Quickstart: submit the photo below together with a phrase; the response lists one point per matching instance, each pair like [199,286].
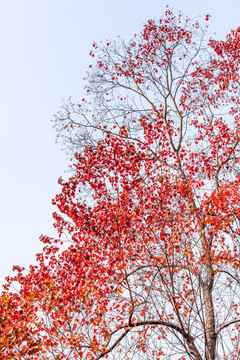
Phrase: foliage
[151,210]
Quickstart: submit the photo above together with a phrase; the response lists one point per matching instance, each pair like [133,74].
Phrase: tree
[151,210]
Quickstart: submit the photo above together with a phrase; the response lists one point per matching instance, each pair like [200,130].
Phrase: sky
[44,55]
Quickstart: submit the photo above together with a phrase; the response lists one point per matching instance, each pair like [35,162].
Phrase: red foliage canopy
[151,210]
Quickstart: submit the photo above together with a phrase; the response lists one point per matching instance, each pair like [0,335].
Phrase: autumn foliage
[150,212]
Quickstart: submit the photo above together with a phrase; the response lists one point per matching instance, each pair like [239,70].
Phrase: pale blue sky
[44,56]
